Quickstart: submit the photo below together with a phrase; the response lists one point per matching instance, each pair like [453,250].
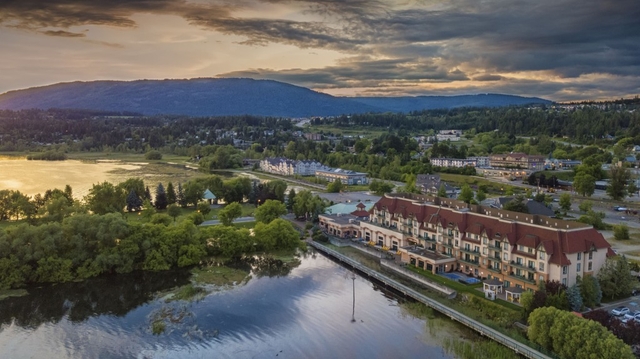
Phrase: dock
[484,330]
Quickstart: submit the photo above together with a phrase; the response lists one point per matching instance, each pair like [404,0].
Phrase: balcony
[470,261]
[494,247]
[522,278]
[496,256]
[448,244]
[496,270]
[470,251]
[523,266]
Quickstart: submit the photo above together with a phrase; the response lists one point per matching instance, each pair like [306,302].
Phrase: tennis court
[460,278]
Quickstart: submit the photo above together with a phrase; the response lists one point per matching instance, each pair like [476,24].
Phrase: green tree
[632,188]
[617,188]
[105,198]
[517,205]
[161,197]
[585,206]
[442,191]
[335,186]
[480,196]
[572,337]
[615,277]
[291,199]
[270,210]
[153,155]
[204,208]
[180,198]
[229,213]
[380,187]
[466,194]
[133,201]
[593,218]
[193,193]
[584,184]
[171,194]
[621,232]
[574,297]
[174,211]
[565,202]
[590,291]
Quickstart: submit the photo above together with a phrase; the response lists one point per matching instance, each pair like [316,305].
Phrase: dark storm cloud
[408,41]
[62,33]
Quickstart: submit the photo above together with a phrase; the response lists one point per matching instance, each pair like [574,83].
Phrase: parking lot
[633,303]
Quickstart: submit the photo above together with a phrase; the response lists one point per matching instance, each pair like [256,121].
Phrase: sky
[562,50]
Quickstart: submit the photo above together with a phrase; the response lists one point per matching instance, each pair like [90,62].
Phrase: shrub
[153,155]
[621,232]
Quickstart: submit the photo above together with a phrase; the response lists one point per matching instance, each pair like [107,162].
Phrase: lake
[33,177]
[301,312]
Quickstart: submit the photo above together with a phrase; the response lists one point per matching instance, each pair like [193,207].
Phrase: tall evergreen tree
[161,197]
[171,194]
[147,193]
[180,198]
[291,199]
[133,201]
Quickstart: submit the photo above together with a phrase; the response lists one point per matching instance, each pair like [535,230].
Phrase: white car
[630,316]
[619,311]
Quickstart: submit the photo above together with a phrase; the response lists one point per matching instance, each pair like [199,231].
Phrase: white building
[453,162]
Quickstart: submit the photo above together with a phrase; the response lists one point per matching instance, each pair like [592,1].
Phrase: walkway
[473,324]
[214,222]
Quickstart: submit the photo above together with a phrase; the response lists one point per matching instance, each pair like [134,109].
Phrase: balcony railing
[497,270]
[469,250]
[523,266]
[470,261]
[448,244]
[523,278]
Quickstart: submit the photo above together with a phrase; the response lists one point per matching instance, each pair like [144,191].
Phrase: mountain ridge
[229,96]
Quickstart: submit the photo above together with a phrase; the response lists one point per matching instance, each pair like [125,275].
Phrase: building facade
[278,165]
[517,161]
[444,235]
[453,162]
[345,176]
[308,167]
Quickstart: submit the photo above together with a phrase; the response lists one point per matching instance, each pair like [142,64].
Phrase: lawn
[474,181]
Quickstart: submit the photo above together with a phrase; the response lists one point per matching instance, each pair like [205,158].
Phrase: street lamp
[353,311]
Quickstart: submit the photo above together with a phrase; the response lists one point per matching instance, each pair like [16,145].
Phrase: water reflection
[293,311]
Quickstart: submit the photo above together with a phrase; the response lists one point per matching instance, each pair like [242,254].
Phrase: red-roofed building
[517,248]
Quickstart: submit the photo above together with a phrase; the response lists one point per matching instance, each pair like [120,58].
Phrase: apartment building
[453,162]
[287,167]
[517,160]
[445,235]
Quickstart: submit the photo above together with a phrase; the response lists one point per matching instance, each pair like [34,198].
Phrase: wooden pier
[484,330]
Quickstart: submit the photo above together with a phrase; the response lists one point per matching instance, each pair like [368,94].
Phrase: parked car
[620,311]
[630,316]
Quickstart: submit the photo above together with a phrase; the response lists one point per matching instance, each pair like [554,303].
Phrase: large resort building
[444,235]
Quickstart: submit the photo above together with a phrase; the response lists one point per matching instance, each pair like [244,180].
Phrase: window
[506,246]
[565,269]
[542,255]
[519,261]
[589,266]
[484,250]
[530,250]
[456,242]
[532,264]
[484,240]
[564,281]
[506,256]
[590,255]
[578,267]
[520,248]
[541,278]
[579,256]
[476,249]
[541,267]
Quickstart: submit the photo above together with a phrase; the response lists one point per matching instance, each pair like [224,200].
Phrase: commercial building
[445,235]
[287,167]
[453,162]
[345,176]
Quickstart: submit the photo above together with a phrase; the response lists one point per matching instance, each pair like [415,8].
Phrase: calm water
[302,313]
[33,177]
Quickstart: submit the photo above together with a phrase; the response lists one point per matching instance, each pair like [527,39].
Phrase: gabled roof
[208,194]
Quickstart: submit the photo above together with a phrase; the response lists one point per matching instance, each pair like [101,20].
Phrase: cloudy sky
[556,49]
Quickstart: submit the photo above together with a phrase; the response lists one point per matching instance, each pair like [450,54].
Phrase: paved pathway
[237,220]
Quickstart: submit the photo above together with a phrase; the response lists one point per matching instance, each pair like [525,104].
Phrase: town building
[481,161]
[453,162]
[517,160]
[430,184]
[308,167]
[278,165]
[448,135]
[444,235]
[345,176]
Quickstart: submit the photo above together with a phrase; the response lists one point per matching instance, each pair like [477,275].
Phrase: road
[237,220]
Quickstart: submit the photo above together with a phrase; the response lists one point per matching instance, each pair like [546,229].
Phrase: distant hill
[406,104]
[228,96]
